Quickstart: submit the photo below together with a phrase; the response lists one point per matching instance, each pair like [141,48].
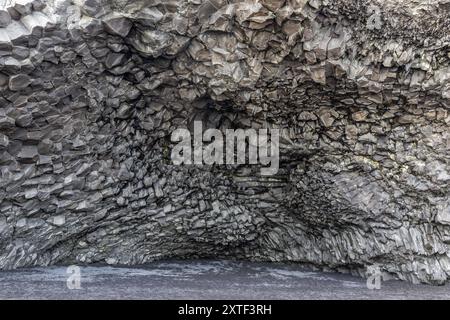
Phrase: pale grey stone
[19,82]
[118,26]
[5,18]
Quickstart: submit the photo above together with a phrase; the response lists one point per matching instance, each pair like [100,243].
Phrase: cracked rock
[88,104]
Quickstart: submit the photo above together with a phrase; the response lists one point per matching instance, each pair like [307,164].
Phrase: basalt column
[91,91]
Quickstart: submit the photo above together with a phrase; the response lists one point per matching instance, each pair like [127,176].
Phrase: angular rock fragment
[150,42]
[5,18]
[114,59]
[118,26]
[4,141]
[19,82]
[27,153]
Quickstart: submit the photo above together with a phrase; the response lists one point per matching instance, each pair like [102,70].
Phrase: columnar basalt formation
[91,91]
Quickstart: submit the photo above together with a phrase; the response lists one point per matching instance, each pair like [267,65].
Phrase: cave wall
[91,91]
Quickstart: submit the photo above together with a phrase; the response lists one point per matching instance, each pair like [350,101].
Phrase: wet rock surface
[90,94]
[221,280]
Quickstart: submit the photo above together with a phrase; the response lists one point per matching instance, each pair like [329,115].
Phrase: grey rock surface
[90,94]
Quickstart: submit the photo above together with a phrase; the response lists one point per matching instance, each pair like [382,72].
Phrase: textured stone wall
[360,90]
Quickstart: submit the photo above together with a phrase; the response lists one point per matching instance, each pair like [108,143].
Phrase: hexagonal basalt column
[91,93]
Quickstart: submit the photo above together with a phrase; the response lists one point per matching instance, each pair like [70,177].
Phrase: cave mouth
[90,95]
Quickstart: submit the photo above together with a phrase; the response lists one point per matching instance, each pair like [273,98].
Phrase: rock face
[90,94]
